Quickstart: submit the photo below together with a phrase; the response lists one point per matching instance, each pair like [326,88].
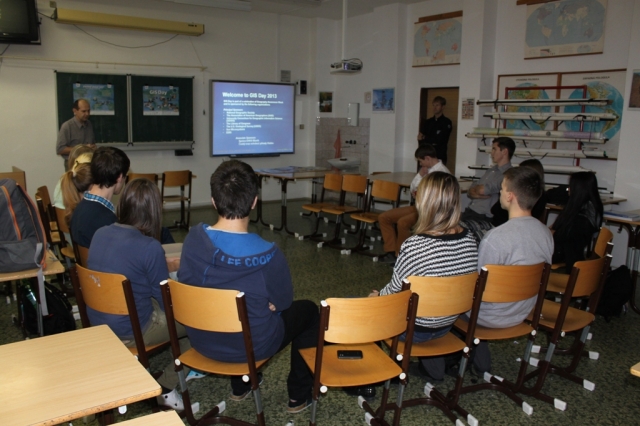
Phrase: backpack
[615,293]
[60,318]
[20,230]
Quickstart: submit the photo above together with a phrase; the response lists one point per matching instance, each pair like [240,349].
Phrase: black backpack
[60,318]
[615,293]
[20,230]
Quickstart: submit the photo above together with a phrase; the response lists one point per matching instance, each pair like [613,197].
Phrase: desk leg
[283,207]
[259,203]
[314,194]
[633,259]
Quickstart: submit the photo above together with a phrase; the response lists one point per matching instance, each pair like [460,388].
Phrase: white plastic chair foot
[559,404]
[195,407]
[428,388]
[594,355]
[589,336]
[472,420]
[122,409]
[372,239]
[590,386]
[367,418]
[300,213]
[320,245]
[535,349]
[76,316]
[296,235]
[353,227]
[534,361]
[301,238]
[459,422]
[375,259]
[271,227]
[487,376]
[361,401]
[343,240]
[345,231]
[326,220]
[347,252]
[379,238]
[221,406]
[324,234]
[527,408]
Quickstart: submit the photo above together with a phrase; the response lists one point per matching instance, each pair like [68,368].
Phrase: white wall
[236,45]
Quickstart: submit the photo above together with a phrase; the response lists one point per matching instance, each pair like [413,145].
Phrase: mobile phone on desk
[349,354]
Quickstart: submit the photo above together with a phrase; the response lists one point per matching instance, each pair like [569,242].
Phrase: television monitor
[252,119]
[19,22]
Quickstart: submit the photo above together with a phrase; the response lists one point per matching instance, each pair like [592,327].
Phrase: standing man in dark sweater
[436,130]
[227,256]
[75,131]
[109,168]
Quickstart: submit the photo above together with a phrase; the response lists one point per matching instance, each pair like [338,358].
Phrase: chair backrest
[354,183]
[62,223]
[385,190]
[17,175]
[444,296]
[151,176]
[366,319]
[512,283]
[204,308]
[332,182]
[43,193]
[81,253]
[604,237]
[176,178]
[44,217]
[589,275]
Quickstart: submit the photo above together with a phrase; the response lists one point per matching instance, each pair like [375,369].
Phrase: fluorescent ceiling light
[244,5]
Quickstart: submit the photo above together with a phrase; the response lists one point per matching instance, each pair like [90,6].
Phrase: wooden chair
[81,253]
[55,239]
[216,310]
[16,174]
[110,294]
[332,184]
[356,324]
[151,176]
[445,296]
[381,191]
[508,284]
[355,184]
[178,179]
[586,280]
[67,251]
[558,281]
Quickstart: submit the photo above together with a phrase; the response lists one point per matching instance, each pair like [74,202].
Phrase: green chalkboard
[161,109]
[107,128]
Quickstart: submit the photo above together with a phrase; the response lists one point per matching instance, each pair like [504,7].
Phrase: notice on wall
[467,108]
[160,100]
[99,96]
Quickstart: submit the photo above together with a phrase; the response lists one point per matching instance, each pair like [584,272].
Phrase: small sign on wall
[467,108]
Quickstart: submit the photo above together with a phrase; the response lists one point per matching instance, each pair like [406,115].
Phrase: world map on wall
[565,27]
[527,95]
[598,89]
[437,42]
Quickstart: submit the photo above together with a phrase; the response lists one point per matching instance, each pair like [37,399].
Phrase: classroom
[304,37]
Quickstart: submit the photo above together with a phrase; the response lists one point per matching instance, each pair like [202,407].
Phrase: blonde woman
[439,247]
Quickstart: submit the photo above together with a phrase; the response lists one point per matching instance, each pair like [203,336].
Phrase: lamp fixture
[80,17]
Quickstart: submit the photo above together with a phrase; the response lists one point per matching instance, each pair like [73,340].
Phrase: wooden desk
[53,267]
[163,418]
[284,175]
[55,379]
[635,370]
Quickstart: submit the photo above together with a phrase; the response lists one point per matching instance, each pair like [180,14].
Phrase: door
[451,94]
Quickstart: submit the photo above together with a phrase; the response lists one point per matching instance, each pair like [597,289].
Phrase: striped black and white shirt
[434,256]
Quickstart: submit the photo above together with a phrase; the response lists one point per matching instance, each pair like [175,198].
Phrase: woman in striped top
[440,247]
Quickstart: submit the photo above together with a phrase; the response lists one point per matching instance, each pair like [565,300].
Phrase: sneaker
[368,392]
[195,375]
[298,406]
[241,396]
[388,258]
[171,399]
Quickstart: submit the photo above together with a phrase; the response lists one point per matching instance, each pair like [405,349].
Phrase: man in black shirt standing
[436,130]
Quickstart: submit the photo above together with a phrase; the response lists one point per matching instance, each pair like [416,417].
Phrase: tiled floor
[320,273]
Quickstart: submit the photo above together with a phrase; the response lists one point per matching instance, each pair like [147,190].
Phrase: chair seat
[375,365]
[315,207]
[196,360]
[486,333]
[340,209]
[576,319]
[134,350]
[557,283]
[446,344]
[367,217]
[68,252]
[174,198]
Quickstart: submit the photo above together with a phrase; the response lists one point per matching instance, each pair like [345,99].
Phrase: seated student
[485,192]
[439,248]
[109,168]
[80,154]
[500,215]
[403,218]
[523,240]
[227,256]
[578,221]
[131,247]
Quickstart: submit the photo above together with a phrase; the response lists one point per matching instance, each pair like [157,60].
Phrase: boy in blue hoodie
[227,256]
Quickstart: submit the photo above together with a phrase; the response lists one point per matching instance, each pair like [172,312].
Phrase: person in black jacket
[580,219]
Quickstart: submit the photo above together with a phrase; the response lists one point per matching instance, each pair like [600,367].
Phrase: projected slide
[252,119]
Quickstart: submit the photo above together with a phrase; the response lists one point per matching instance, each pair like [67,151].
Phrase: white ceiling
[328,9]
